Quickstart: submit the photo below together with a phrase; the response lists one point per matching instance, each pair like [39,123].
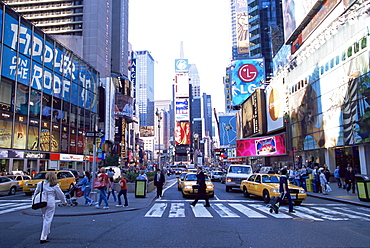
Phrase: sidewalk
[341,195]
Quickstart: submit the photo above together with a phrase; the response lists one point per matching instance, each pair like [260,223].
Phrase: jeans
[86,195]
[287,195]
[103,196]
[124,193]
[339,182]
[113,193]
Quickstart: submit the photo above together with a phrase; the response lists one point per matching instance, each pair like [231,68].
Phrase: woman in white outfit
[323,181]
[50,190]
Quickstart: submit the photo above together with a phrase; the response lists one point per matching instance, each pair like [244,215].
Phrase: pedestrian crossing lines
[224,209]
[8,206]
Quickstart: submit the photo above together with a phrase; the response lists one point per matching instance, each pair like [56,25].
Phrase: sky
[204,27]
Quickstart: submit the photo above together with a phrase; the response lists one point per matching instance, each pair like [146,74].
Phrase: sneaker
[207,206]
[125,206]
[106,207]
[119,205]
[292,211]
[97,206]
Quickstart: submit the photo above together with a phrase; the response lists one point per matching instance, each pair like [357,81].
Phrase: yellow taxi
[180,180]
[66,181]
[190,179]
[21,179]
[267,186]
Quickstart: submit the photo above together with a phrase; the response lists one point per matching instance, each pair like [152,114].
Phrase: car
[216,175]
[180,180]
[235,174]
[21,179]
[267,186]
[190,179]
[65,177]
[267,169]
[8,186]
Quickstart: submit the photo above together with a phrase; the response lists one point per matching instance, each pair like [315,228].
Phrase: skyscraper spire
[181,50]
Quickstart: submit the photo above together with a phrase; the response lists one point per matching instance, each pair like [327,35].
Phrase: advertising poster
[182,109]
[246,76]
[33,138]
[263,146]
[73,142]
[64,142]
[80,143]
[123,106]
[146,131]
[182,85]
[182,133]
[227,130]
[242,26]
[19,138]
[275,104]
[55,144]
[5,134]
[45,140]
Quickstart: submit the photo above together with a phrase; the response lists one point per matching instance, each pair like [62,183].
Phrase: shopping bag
[99,184]
[39,199]
[328,188]
[79,192]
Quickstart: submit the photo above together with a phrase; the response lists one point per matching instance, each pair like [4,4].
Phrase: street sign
[99,135]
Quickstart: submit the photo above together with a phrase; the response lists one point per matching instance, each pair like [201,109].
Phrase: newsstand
[363,187]
[140,188]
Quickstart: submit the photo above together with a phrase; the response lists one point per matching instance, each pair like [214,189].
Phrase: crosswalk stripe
[340,213]
[247,211]
[321,215]
[25,206]
[177,210]
[304,215]
[265,209]
[353,212]
[200,211]
[224,211]
[157,210]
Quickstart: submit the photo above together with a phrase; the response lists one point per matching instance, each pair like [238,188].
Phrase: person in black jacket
[201,182]
[284,190]
[159,181]
[350,180]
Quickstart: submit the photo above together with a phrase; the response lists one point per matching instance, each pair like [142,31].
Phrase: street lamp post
[159,117]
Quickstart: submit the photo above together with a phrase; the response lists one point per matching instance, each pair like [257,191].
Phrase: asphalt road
[232,221]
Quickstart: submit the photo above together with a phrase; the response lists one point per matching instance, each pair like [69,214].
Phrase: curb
[339,200]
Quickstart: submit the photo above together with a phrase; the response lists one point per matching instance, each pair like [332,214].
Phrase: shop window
[6,92]
[46,108]
[35,103]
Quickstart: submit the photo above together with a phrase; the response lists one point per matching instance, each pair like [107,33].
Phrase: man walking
[201,182]
[284,190]
[159,181]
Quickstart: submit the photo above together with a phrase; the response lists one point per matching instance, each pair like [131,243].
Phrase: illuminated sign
[263,146]
[181,65]
[182,133]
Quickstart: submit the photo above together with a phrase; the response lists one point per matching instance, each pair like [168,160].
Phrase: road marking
[247,211]
[333,212]
[177,210]
[353,212]
[23,206]
[200,211]
[224,211]
[301,214]
[321,215]
[157,210]
[266,210]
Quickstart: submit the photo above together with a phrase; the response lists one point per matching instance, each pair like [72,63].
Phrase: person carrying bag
[39,199]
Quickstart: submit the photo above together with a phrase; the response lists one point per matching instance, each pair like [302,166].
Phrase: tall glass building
[48,100]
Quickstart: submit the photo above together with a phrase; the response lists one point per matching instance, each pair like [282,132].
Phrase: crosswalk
[7,206]
[253,210]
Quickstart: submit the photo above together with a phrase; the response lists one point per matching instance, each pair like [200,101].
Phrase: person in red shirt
[103,190]
[123,191]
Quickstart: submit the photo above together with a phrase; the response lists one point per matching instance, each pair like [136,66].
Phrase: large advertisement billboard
[182,109]
[227,130]
[123,105]
[246,76]
[242,26]
[263,146]
[275,104]
[253,112]
[182,133]
[182,85]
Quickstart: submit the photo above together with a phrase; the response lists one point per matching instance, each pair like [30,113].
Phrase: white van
[235,174]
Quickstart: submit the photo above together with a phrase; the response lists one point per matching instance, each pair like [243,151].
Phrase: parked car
[190,179]
[8,186]
[21,179]
[267,186]
[216,175]
[236,173]
[65,177]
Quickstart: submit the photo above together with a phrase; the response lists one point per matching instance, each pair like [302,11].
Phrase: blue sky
[204,26]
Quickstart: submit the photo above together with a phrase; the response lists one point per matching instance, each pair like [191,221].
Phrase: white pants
[47,216]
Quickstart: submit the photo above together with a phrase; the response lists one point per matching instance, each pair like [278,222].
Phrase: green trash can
[140,188]
[363,187]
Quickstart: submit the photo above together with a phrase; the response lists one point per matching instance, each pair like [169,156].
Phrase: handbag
[79,192]
[37,201]
[99,184]
[328,188]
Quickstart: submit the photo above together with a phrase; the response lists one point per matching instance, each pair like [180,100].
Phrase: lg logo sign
[247,73]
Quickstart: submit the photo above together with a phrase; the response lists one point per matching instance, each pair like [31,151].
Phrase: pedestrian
[103,177]
[123,191]
[284,190]
[327,172]
[50,189]
[297,177]
[86,188]
[316,176]
[343,174]
[291,175]
[350,180]
[159,181]
[201,194]
[323,181]
[111,190]
[110,172]
[337,177]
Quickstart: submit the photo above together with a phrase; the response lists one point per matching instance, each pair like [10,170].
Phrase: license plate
[293,197]
[32,189]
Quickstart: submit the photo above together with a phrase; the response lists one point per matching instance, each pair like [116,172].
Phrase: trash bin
[314,186]
[363,187]
[140,188]
[309,185]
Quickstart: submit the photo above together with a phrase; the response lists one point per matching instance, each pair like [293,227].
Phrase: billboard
[262,146]
[181,65]
[146,131]
[253,112]
[275,104]
[227,130]
[182,109]
[242,26]
[182,85]
[182,133]
[123,106]
[246,76]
